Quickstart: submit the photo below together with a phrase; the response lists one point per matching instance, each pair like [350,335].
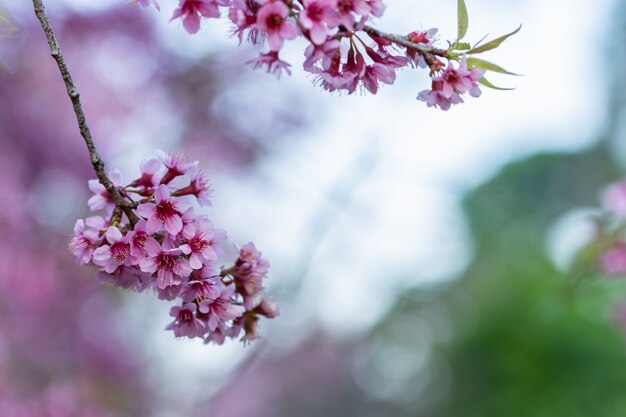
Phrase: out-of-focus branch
[72,91]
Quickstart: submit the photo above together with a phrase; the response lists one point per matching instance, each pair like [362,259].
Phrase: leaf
[494,43]
[489,66]
[487,84]
[462,46]
[463,20]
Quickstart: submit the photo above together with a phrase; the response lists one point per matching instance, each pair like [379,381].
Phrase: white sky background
[402,225]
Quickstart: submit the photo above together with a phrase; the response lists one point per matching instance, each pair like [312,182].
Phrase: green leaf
[494,43]
[489,66]
[487,84]
[463,19]
[462,46]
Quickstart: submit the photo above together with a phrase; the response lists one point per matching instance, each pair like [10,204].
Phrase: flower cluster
[174,250]
[448,87]
[343,52]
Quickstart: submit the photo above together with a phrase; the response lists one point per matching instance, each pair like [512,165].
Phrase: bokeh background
[422,259]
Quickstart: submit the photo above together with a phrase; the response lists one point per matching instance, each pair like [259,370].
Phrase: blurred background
[422,259]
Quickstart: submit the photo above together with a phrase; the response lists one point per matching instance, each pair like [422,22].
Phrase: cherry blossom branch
[72,91]
[423,49]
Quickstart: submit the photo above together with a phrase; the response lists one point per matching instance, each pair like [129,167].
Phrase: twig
[428,52]
[72,91]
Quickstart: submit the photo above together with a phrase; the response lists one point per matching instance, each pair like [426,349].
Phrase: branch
[428,52]
[72,91]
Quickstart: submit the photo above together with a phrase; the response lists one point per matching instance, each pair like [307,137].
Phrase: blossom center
[165,210]
[274,21]
[119,252]
[197,244]
[166,262]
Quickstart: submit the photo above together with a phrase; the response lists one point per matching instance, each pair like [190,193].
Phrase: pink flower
[185,322]
[192,10]
[128,278]
[462,80]
[150,174]
[176,164]
[166,262]
[221,310]
[165,214]
[613,261]
[377,73]
[101,198]
[202,242]
[118,254]
[199,188]
[346,8]
[315,17]
[614,198]
[243,15]
[249,271]
[268,308]
[437,97]
[84,242]
[146,3]
[203,292]
[313,53]
[272,18]
[424,38]
[271,62]
[137,238]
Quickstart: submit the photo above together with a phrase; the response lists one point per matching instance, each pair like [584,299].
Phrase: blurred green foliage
[520,338]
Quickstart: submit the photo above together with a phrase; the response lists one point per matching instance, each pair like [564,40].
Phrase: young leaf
[462,46]
[489,66]
[487,84]
[494,43]
[463,19]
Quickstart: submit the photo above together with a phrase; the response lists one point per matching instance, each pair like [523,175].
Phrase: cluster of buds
[344,53]
[170,248]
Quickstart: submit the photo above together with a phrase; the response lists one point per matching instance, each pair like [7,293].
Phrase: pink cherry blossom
[150,174]
[316,16]
[137,238]
[200,188]
[192,10]
[165,214]
[84,242]
[271,62]
[221,310]
[202,242]
[101,198]
[613,260]
[128,278]
[614,198]
[166,262]
[272,18]
[249,271]
[174,251]
[177,164]
[115,255]
[185,323]
[436,97]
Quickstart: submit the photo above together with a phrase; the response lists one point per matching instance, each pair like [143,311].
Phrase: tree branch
[428,52]
[72,91]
